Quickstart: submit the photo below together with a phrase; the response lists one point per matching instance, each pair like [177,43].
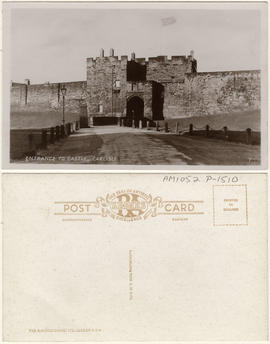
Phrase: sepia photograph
[135,84]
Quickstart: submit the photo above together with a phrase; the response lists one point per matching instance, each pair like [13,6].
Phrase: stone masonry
[140,89]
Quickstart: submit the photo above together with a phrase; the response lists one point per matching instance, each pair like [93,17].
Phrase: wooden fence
[247,136]
[26,142]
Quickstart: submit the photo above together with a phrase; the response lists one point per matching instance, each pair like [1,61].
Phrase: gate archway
[135,110]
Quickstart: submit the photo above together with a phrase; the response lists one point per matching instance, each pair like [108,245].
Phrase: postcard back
[143,257]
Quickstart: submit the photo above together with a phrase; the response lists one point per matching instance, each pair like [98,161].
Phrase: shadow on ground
[127,146]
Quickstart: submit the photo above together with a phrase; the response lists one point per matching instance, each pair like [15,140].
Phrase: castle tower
[136,89]
[106,79]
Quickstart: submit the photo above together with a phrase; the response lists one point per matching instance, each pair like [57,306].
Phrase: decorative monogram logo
[129,205]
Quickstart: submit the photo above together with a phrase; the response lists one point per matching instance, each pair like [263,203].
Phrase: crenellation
[113,58]
[140,60]
[158,59]
[182,58]
[90,61]
[152,59]
[167,88]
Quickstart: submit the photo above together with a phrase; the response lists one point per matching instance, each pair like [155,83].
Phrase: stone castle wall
[161,69]
[102,74]
[106,99]
[212,93]
[108,86]
[48,97]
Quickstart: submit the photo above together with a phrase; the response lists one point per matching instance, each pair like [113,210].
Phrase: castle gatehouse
[136,90]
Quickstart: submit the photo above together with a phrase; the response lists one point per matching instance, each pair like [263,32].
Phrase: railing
[50,135]
[25,142]
[243,136]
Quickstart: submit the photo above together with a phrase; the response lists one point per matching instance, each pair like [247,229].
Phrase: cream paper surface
[143,257]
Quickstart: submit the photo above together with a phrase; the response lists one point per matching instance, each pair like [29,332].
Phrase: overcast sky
[53,44]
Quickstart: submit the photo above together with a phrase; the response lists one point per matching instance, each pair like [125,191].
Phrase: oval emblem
[128,205]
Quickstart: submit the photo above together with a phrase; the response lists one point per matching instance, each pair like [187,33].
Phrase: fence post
[68,129]
[157,126]
[44,138]
[166,127]
[225,129]
[207,130]
[140,124]
[176,128]
[52,137]
[62,130]
[57,132]
[249,136]
[31,143]
[191,128]
[147,124]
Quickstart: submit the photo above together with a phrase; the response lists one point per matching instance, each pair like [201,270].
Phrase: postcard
[120,85]
[135,257]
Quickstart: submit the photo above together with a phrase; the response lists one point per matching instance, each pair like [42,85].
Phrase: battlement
[142,60]
[182,58]
[14,84]
[232,72]
[158,59]
[106,59]
[52,84]
[255,73]
[175,59]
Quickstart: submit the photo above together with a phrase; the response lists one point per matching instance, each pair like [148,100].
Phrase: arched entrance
[135,111]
